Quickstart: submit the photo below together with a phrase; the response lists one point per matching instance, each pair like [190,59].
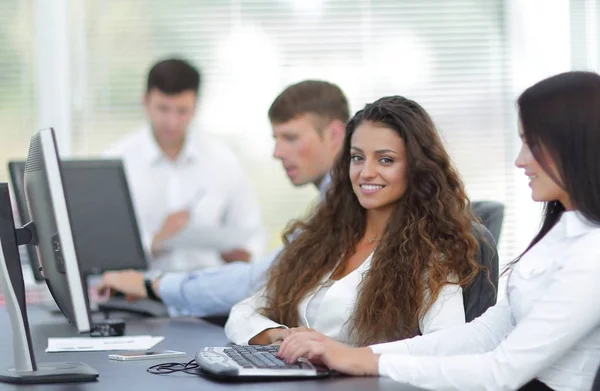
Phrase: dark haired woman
[546,334]
[386,255]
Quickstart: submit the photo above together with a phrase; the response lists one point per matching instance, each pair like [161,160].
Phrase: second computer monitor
[102,215]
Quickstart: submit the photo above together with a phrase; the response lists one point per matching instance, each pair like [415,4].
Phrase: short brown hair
[310,96]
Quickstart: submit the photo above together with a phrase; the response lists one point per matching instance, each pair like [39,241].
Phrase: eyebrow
[379,151]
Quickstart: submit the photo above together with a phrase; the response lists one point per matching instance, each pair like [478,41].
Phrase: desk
[183,334]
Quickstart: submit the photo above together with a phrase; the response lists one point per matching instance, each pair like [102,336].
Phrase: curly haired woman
[386,255]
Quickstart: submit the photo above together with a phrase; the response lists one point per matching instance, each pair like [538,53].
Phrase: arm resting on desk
[555,324]
[212,291]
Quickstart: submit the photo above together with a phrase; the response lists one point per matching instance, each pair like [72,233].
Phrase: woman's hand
[276,335]
[323,350]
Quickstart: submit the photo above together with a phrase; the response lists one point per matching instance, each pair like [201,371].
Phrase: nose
[369,169]
[278,152]
[172,120]
[521,159]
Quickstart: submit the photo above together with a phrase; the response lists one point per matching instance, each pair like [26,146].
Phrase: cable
[171,367]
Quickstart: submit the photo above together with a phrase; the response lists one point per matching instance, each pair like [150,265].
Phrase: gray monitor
[50,231]
[102,214]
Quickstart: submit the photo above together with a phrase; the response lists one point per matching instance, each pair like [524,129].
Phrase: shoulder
[126,144]
[214,148]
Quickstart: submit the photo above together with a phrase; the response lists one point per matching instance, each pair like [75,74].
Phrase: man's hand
[323,350]
[236,255]
[128,282]
[174,223]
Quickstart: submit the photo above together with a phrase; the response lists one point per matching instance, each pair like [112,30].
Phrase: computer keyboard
[257,357]
[241,361]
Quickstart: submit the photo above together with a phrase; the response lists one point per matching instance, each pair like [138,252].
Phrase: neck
[317,182]
[172,151]
[376,222]
[567,204]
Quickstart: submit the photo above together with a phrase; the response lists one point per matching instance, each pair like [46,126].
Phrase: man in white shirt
[189,191]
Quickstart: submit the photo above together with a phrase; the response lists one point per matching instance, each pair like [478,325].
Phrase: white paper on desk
[210,237]
[100,344]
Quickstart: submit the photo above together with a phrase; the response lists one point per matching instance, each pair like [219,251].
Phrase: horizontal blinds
[17,104]
[449,55]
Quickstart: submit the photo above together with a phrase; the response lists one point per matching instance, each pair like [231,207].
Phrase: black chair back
[491,214]
[482,293]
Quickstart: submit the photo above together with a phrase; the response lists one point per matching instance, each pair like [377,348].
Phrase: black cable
[172,367]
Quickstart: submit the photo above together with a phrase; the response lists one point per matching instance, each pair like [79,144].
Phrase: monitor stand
[26,370]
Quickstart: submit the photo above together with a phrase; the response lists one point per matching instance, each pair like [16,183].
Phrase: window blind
[448,55]
[585,34]
[17,105]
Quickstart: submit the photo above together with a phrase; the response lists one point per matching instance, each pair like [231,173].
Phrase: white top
[207,179]
[314,304]
[336,308]
[548,327]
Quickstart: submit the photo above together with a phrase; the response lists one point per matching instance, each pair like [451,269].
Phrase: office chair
[482,292]
[491,214]
[596,385]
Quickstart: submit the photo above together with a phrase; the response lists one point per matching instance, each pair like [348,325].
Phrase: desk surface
[183,334]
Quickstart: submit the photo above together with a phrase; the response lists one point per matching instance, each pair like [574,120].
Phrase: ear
[337,131]
[146,100]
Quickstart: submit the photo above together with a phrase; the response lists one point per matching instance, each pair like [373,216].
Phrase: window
[17,104]
[449,55]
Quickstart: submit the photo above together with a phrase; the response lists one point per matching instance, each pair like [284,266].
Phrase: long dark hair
[427,238]
[560,117]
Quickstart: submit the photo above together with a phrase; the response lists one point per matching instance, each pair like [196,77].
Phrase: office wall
[463,60]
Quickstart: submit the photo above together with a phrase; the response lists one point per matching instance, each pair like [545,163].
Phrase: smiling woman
[387,254]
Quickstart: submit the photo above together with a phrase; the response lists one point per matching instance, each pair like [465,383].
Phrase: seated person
[546,334]
[184,184]
[385,256]
[308,121]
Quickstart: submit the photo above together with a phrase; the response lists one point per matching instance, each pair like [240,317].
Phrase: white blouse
[335,309]
[548,327]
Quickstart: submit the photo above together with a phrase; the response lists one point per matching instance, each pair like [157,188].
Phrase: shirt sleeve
[215,290]
[245,320]
[480,336]
[555,324]
[447,311]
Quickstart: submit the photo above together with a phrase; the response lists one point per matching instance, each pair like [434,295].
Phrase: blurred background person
[307,120]
[185,184]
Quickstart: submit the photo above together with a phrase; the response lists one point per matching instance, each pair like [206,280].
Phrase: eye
[386,160]
[356,158]
[290,138]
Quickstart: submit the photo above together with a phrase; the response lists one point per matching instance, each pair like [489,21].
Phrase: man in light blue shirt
[308,121]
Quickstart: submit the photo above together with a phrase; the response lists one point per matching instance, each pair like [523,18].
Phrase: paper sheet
[89,344]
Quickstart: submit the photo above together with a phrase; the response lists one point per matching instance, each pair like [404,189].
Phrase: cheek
[354,172]
[397,176]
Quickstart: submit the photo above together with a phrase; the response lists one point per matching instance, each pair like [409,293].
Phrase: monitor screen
[102,215]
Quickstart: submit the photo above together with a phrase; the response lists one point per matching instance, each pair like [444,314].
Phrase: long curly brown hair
[427,237]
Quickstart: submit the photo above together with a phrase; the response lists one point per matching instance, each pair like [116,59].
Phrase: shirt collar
[576,224]
[154,154]
[324,185]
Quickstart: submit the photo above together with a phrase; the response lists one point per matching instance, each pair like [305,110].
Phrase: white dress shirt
[548,327]
[336,308]
[206,179]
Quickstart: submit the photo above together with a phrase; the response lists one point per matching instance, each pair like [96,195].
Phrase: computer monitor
[101,211]
[50,232]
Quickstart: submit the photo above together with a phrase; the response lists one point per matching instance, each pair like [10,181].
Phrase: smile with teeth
[370,189]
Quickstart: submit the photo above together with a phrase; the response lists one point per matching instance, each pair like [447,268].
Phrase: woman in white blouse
[546,333]
[384,257]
